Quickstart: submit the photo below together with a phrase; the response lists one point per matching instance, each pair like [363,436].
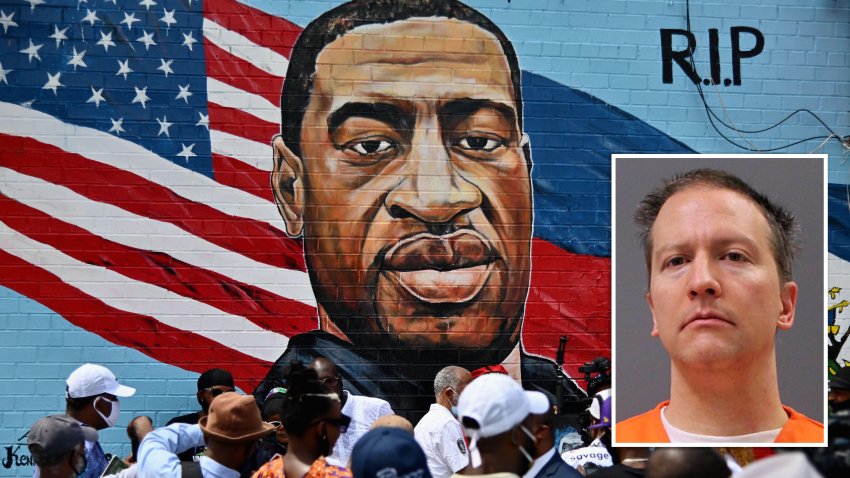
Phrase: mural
[439,192]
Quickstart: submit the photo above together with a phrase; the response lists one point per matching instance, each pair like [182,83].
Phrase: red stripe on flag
[242,124]
[570,295]
[235,173]
[256,25]
[265,309]
[156,340]
[100,182]
[242,74]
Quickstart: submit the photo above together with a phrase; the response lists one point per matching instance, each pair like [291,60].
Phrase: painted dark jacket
[407,384]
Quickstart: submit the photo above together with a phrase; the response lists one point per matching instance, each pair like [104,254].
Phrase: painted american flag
[134,171]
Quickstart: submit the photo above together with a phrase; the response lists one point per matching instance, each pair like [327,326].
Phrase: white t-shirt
[678,435]
[363,412]
[595,453]
[440,436]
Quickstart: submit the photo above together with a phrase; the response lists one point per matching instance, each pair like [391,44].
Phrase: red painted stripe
[243,125]
[258,26]
[241,74]
[265,309]
[156,340]
[235,173]
[254,239]
[570,295]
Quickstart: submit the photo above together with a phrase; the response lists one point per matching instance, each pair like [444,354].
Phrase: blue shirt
[158,453]
[95,461]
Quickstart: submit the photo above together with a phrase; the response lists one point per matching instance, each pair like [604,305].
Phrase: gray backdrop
[641,365]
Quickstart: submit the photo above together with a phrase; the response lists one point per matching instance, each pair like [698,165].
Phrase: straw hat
[234,418]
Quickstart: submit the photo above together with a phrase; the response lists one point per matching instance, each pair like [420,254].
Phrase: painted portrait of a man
[403,165]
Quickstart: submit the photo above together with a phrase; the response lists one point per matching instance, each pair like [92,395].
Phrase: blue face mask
[78,468]
[454,410]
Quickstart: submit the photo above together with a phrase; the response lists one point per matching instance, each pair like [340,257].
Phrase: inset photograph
[719,299]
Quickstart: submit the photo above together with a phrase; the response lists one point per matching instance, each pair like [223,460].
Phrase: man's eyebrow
[465,107]
[388,113]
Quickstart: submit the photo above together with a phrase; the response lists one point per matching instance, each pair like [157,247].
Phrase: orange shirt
[320,469]
[647,428]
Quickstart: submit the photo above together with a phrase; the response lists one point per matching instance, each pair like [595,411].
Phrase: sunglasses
[333,380]
[217,391]
[275,423]
[342,422]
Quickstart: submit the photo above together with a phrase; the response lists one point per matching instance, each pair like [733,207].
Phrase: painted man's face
[413,190]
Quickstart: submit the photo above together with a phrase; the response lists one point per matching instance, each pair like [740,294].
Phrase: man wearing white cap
[495,413]
[91,398]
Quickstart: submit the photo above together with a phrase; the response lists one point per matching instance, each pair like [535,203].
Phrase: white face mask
[112,419]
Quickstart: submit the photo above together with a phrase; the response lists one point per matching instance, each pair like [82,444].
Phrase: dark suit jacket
[556,467]
[406,380]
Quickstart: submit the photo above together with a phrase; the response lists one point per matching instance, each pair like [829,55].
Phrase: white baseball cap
[595,408]
[90,380]
[497,403]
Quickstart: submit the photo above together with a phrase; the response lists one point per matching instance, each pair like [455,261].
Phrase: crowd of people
[481,423]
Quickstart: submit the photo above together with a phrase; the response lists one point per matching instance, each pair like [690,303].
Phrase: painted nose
[703,279]
[432,189]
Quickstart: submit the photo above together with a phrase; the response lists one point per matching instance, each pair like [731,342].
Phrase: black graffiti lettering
[714,54]
[10,455]
[737,53]
[668,56]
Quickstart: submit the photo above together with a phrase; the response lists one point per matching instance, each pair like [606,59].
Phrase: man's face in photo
[715,292]
[415,195]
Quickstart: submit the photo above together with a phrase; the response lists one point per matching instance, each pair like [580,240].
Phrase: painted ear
[288,187]
[788,296]
[654,332]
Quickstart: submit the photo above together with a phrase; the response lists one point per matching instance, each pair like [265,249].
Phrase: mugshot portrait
[686,341]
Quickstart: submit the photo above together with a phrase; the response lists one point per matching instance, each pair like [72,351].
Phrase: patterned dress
[320,469]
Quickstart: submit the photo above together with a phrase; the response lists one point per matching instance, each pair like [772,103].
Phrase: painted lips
[441,269]
[707,318]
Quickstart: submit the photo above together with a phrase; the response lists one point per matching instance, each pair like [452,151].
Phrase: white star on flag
[204,121]
[91,17]
[187,153]
[165,67]
[116,126]
[106,41]
[147,39]
[184,93]
[6,21]
[77,59]
[168,19]
[163,126]
[59,35]
[3,74]
[147,4]
[52,82]
[33,3]
[130,20]
[124,68]
[96,97]
[141,96]
[32,51]
[189,40]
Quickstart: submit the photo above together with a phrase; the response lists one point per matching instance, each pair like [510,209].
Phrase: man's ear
[788,297]
[654,332]
[288,187]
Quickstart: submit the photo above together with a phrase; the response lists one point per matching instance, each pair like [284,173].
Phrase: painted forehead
[421,42]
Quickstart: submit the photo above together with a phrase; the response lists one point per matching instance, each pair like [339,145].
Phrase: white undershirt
[680,436]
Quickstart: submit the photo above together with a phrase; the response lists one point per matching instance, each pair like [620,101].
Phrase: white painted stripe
[135,297]
[255,105]
[263,58]
[114,151]
[258,155]
[123,227]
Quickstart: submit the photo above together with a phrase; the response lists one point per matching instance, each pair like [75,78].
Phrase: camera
[597,373]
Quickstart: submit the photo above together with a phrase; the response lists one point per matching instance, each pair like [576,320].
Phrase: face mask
[453,408]
[522,447]
[112,419]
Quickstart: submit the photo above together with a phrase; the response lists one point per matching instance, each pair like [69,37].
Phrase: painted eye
[371,146]
[479,143]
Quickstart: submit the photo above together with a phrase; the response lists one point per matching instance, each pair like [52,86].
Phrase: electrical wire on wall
[712,116]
